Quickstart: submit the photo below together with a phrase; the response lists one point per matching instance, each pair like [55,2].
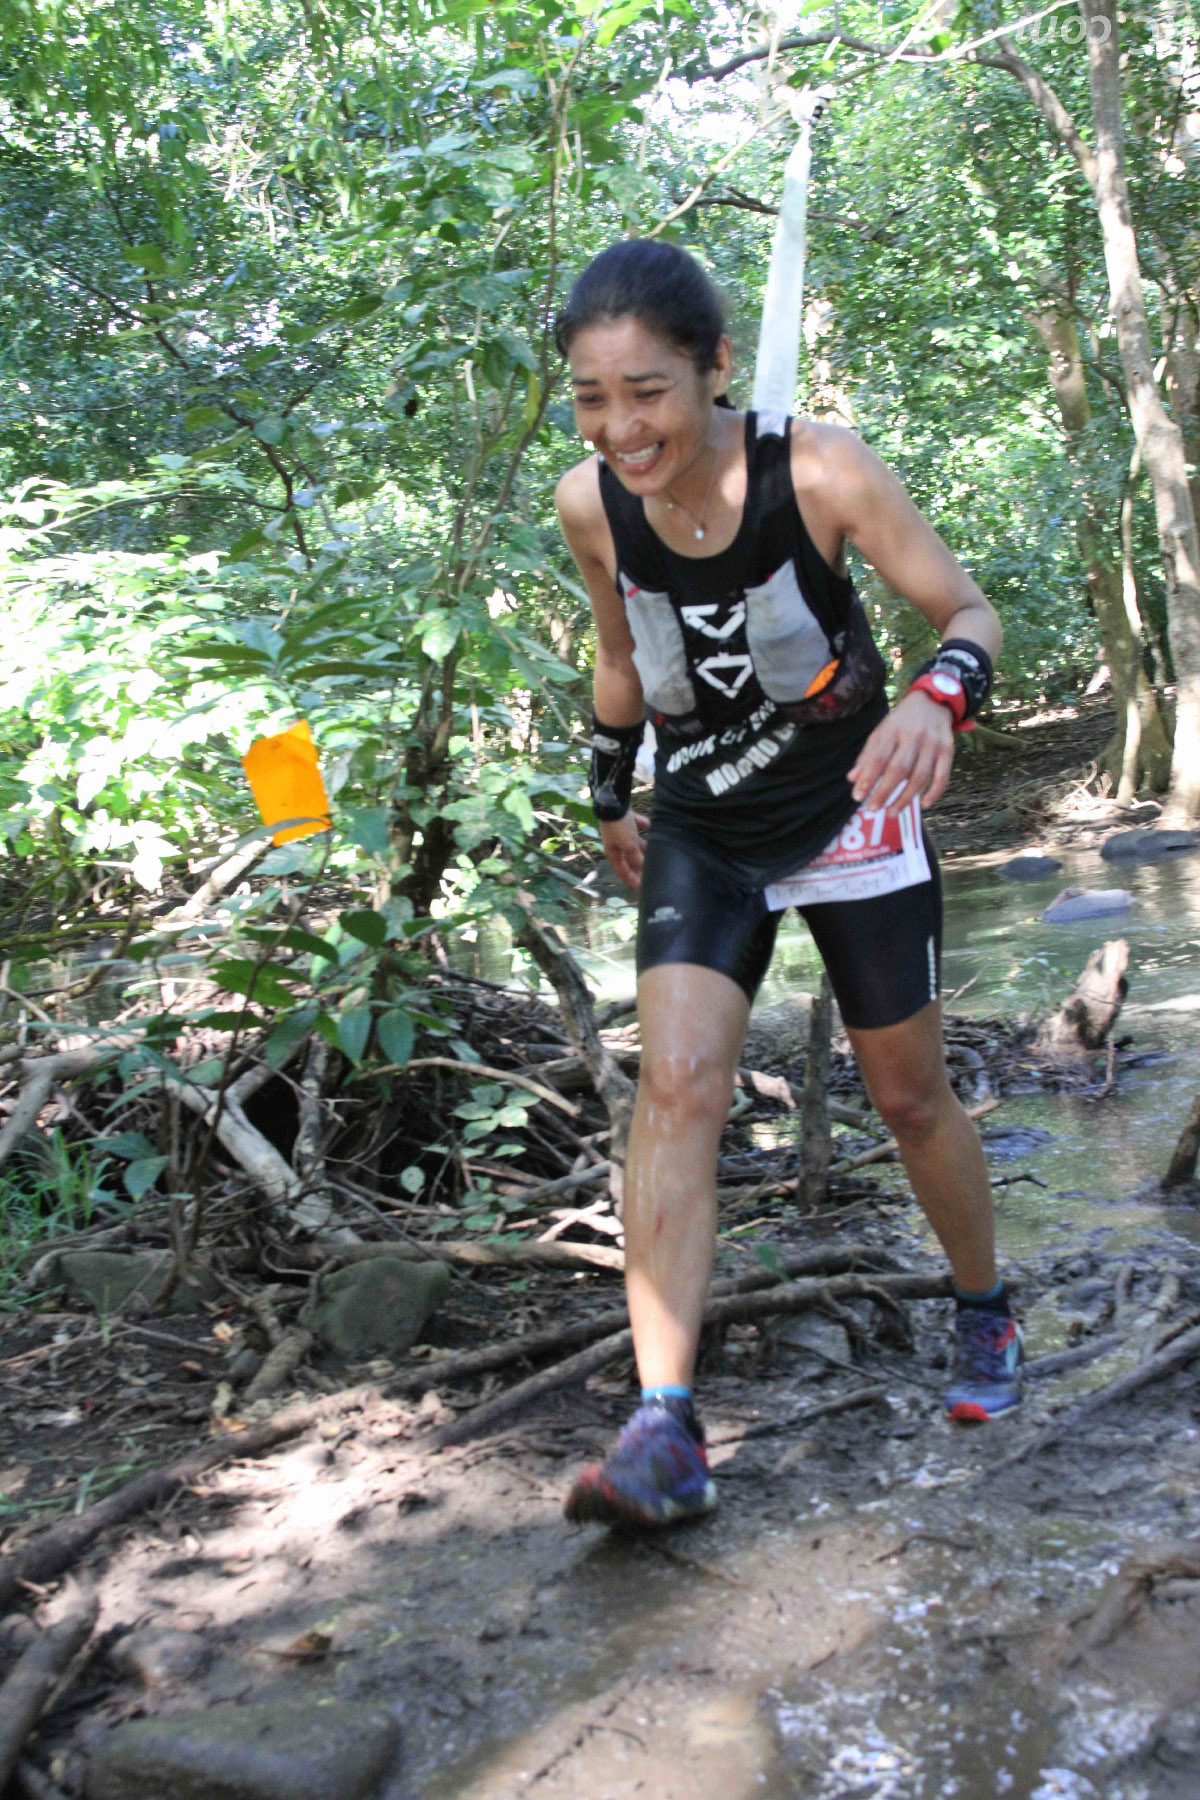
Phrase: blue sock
[678,1402]
[994,1301]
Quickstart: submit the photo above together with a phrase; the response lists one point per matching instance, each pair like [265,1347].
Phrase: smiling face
[643,403]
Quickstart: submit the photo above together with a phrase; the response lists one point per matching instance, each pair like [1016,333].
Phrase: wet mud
[884,1605]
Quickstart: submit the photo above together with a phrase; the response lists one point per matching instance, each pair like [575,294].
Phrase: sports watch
[948,691]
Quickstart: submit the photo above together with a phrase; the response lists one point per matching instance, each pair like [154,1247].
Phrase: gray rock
[292,1750]
[157,1658]
[825,1339]
[379,1306]
[106,1279]
[1030,868]
[1007,1141]
[1147,846]
[1078,903]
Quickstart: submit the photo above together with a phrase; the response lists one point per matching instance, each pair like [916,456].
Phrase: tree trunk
[1183,1162]
[1159,438]
[1081,1025]
[815,1135]
[1183,383]
[1140,749]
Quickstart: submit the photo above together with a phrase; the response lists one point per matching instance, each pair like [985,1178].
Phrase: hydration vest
[764,625]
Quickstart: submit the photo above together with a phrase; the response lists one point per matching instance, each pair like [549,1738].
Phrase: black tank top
[759,669]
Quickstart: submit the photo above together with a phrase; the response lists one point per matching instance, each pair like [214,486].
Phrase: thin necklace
[699,524]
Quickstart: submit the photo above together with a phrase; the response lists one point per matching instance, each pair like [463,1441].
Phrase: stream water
[1002,958]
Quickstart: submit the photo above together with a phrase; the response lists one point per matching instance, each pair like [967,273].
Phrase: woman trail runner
[712,543]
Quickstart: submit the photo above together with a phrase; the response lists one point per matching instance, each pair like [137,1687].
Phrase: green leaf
[130,1146]
[412,1179]
[368,927]
[257,635]
[353,1030]
[142,1174]
[256,981]
[199,418]
[516,802]
[145,256]
[367,826]
[296,938]
[242,546]
[439,637]
[287,1033]
[396,1032]
[271,429]
[362,308]
[770,1259]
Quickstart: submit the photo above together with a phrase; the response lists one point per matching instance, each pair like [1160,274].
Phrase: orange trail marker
[286,782]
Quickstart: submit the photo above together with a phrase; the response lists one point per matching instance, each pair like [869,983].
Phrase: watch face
[946,684]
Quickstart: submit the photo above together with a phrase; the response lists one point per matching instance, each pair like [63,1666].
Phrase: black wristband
[970,663]
[614,752]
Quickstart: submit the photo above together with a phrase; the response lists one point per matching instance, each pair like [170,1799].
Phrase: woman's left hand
[908,755]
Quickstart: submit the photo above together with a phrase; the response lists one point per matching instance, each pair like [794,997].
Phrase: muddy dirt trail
[883,1605]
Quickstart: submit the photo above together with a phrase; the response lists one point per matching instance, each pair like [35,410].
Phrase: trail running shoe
[987,1376]
[657,1474]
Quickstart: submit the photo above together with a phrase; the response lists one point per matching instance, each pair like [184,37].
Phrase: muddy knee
[680,1090]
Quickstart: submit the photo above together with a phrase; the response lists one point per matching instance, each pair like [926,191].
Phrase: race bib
[872,855]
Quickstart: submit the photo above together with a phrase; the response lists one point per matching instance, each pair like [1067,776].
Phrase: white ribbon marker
[778,363]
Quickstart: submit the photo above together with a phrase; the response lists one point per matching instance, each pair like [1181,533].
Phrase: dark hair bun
[658,284]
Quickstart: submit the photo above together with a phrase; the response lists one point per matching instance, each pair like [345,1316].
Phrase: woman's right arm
[616,687]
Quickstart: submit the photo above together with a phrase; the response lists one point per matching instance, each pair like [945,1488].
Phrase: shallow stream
[999,957]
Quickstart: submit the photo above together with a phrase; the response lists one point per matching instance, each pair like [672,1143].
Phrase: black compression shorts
[883,955]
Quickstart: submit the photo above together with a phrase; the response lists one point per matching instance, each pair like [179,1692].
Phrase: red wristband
[947,690]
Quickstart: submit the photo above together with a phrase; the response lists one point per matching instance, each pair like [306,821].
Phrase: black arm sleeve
[972,665]
[614,752]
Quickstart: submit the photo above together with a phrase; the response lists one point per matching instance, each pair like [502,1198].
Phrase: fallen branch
[1132,1587]
[280,1361]
[864,1396]
[734,1309]
[220,877]
[1059,1361]
[484,1069]
[582,1332]
[560,968]
[465,1251]
[1177,1356]
[24,1695]
[41,1075]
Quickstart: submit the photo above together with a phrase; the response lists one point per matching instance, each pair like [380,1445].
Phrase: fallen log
[732,1309]
[24,1695]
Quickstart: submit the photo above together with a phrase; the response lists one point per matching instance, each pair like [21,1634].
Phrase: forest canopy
[282,416]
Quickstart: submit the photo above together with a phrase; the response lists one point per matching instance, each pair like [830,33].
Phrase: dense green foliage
[280,416]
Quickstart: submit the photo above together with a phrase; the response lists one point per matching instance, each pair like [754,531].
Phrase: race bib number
[872,855]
